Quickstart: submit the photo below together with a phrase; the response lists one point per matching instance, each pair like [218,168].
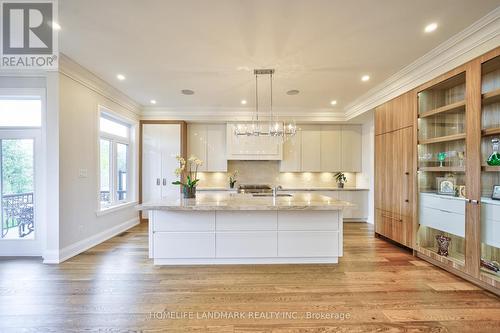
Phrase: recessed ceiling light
[153,101]
[292,92]
[243,101]
[365,78]
[187,92]
[55,25]
[120,77]
[333,102]
[431,27]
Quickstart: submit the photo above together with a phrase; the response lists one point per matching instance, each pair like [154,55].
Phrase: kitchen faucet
[276,189]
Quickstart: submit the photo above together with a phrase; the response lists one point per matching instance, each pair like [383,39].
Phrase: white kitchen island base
[284,235]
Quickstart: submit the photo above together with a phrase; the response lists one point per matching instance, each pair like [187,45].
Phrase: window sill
[115,208]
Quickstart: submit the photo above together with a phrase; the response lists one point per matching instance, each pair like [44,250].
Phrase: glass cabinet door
[441,171]
[490,172]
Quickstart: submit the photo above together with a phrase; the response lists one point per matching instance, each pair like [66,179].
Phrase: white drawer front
[443,220]
[308,243]
[490,224]
[246,220]
[184,221]
[449,204]
[308,220]
[252,244]
[184,245]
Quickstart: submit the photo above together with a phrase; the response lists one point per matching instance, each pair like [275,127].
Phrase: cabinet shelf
[491,97]
[446,138]
[447,108]
[488,168]
[490,131]
[443,169]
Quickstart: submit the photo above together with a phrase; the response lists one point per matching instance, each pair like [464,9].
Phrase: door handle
[473,201]
[408,186]
[164,182]
[157,181]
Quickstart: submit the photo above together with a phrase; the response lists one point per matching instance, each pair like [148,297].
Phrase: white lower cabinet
[184,245]
[442,213]
[248,244]
[303,221]
[308,243]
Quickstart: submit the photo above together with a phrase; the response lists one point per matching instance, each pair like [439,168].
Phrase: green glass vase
[494,159]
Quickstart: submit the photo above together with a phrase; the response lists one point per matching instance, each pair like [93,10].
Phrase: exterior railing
[17,212]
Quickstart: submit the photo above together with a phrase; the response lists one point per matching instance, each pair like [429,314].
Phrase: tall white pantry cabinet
[161,143]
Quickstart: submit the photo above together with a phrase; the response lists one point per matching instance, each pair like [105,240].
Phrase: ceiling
[320,47]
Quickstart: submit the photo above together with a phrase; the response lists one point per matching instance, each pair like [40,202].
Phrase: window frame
[113,173]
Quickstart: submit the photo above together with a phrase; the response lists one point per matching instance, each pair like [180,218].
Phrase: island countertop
[238,201]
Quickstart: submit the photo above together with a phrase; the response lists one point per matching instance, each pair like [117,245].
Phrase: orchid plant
[187,171]
[232,178]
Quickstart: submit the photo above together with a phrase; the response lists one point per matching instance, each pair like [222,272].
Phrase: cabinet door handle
[157,181]
[473,201]
[392,218]
[164,182]
[408,186]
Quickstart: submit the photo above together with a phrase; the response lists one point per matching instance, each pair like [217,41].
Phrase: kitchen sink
[271,195]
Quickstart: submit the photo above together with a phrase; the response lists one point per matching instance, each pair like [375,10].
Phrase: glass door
[20,169]
[490,172]
[441,171]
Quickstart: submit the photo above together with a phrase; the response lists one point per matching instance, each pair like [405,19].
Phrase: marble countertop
[236,201]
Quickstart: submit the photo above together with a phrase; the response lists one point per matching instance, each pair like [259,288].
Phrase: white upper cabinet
[197,143]
[216,148]
[351,148]
[252,147]
[311,148]
[208,143]
[331,148]
[292,154]
[323,148]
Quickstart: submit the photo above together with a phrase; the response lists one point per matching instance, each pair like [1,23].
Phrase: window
[21,112]
[114,160]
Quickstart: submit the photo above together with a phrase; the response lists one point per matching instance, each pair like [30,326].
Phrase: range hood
[252,148]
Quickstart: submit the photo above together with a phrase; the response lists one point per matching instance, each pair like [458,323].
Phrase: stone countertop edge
[290,189]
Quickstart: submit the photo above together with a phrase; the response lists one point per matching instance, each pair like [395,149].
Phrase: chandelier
[273,127]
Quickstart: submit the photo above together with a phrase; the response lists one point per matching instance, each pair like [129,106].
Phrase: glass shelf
[441,166]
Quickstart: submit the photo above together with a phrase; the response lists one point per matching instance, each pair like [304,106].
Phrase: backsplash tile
[267,172]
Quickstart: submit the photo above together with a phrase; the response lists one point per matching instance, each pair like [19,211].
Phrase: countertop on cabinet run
[236,201]
[289,189]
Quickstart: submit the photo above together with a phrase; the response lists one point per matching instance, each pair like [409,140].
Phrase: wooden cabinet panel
[396,114]
[351,148]
[311,152]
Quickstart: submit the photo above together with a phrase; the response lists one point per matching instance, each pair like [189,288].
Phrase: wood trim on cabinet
[473,168]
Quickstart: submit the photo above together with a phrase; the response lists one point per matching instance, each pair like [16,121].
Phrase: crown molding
[224,114]
[80,74]
[479,38]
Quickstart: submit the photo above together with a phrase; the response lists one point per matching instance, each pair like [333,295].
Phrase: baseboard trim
[85,244]
[458,273]
[247,261]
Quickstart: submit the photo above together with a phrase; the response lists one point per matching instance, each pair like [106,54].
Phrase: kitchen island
[234,228]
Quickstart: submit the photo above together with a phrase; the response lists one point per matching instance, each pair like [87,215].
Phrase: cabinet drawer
[251,244]
[444,220]
[451,205]
[246,220]
[183,221]
[308,243]
[184,245]
[490,224]
[308,220]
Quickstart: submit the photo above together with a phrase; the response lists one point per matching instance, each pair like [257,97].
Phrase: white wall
[366,179]
[80,227]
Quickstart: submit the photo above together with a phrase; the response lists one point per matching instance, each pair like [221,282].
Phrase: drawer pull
[446,211]
[392,218]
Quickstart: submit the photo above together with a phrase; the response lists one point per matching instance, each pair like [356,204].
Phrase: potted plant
[188,175]
[232,179]
[341,179]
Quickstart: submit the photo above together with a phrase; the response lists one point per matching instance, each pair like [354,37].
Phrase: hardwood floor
[114,287]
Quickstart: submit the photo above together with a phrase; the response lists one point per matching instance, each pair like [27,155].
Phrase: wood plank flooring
[376,287]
